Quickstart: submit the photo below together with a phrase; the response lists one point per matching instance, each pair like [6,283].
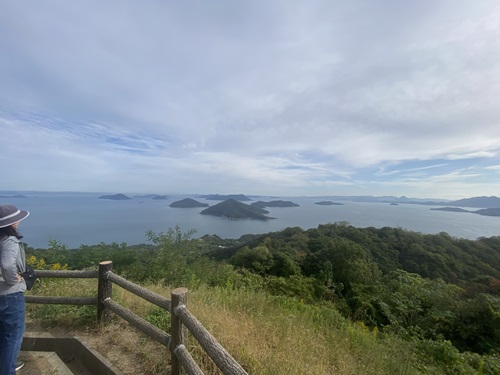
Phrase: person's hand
[19,278]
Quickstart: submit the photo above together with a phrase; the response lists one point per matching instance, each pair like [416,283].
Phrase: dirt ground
[128,350]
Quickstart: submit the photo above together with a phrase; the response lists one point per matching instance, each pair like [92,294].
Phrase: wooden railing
[182,322]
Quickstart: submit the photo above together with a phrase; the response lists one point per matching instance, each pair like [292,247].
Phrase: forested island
[232,209]
[188,203]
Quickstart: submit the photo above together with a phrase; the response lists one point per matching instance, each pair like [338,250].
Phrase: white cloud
[159,95]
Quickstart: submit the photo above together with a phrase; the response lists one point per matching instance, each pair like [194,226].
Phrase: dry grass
[266,334]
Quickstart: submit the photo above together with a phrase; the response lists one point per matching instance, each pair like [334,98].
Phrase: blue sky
[260,97]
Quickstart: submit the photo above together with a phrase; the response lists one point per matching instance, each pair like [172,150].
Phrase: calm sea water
[76,219]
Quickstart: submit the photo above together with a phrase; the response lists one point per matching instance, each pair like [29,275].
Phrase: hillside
[357,300]
[232,209]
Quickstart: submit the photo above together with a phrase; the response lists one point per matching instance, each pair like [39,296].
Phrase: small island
[160,197]
[262,204]
[484,211]
[151,196]
[450,209]
[13,196]
[232,209]
[188,203]
[217,197]
[328,203]
[488,212]
[115,197]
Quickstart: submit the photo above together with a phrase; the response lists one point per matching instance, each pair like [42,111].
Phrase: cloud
[284,96]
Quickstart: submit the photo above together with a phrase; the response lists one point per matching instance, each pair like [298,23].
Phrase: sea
[76,219]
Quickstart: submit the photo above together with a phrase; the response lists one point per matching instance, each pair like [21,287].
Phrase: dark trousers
[12,315]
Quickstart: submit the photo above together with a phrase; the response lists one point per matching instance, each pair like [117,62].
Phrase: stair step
[76,356]
[43,363]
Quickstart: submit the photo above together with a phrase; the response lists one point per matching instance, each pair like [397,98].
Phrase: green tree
[259,259]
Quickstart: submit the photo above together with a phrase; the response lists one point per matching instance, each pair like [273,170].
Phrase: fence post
[178,332]
[104,288]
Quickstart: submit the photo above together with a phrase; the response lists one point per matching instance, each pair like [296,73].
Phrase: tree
[258,259]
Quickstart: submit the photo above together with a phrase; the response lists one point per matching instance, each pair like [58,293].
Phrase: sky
[281,97]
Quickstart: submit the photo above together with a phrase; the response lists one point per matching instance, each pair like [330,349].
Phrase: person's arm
[9,254]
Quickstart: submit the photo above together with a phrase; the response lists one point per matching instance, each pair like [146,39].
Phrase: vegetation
[188,203]
[335,299]
[262,204]
[233,209]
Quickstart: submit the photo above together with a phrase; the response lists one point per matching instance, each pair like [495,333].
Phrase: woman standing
[12,287]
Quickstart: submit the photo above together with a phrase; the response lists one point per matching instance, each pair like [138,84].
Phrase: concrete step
[68,355]
[43,363]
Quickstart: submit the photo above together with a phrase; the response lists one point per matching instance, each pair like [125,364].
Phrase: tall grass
[267,334]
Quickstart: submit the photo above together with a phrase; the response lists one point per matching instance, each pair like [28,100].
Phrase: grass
[266,334]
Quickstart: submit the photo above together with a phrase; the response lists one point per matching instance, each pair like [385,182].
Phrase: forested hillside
[439,292]
[425,285]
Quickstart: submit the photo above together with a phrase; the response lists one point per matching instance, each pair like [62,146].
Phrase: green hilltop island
[232,209]
[115,197]
[188,203]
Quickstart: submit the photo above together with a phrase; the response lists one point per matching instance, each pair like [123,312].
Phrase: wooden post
[104,289]
[178,332]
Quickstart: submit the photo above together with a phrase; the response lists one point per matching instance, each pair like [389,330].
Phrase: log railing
[182,322]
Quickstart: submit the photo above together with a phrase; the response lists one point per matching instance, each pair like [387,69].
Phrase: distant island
[115,197]
[262,204]
[488,212]
[484,211]
[477,202]
[232,209]
[328,203]
[160,197]
[217,197]
[450,209]
[394,204]
[13,196]
[152,196]
[188,203]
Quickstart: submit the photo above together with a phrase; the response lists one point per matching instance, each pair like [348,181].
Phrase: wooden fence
[182,321]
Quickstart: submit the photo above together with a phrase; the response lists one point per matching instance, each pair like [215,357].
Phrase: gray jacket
[12,262]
